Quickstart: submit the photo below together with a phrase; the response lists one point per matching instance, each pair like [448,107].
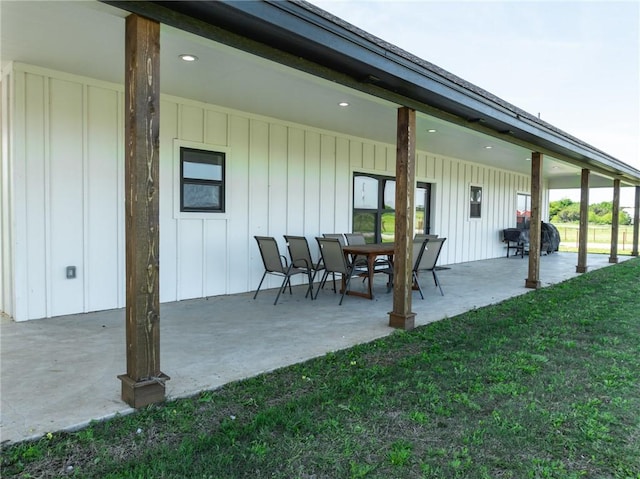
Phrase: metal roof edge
[304,31]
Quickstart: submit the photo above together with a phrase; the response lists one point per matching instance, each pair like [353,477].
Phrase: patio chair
[426,259]
[420,237]
[419,244]
[354,239]
[515,239]
[339,236]
[335,262]
[275,263]
[301,257]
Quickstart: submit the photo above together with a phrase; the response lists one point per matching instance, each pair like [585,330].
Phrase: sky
[576,64]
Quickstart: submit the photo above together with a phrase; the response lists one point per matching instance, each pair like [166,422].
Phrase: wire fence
[596,234]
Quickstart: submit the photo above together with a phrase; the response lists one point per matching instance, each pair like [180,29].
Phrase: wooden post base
[138,394]
[532,284]
[581,269]
[613,259]
[402,321]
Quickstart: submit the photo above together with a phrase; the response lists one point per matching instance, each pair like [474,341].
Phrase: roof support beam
[402,316]
[615,221]
[535,225]
[584,222]
[144,382]
[636,223]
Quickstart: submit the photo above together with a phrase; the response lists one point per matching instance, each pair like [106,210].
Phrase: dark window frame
[381,208]
[217,158]
[475,205]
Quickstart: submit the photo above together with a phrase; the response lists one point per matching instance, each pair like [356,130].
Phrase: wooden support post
[615,219]
[584,222]
[636,223]
[535,225]
[401,316]
[143,383]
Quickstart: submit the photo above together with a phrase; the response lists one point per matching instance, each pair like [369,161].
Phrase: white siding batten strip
[86,264]
[176,158]
[47,191]
[120,211]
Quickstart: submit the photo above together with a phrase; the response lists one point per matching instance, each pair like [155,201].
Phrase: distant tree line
[567,211]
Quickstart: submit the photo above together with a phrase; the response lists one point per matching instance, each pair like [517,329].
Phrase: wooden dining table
[371,252]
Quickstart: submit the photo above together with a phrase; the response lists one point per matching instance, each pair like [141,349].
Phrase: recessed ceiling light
[488,147]
[431,130]
[343,103]
[188,57]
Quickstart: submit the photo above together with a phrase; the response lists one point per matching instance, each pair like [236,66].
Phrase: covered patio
[61,373]
[95,170]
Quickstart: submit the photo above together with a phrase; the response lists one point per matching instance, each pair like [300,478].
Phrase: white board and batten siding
[67,172]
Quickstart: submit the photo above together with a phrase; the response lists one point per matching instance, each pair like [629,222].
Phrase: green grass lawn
[545,385]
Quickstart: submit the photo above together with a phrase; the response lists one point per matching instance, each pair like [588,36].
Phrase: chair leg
[346,285]
[435,278]
[322,281]
[287,279]
[415,280]
[257,290]
[311,280]
[310,288]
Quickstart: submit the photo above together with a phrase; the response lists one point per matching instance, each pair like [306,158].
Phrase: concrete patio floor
[60,373]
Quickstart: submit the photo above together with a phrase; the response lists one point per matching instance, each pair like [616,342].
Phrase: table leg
[371,260]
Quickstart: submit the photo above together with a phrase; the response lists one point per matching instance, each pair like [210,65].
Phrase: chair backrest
[270,254]
[332,255]
[355,239]
[419,246]
[512,234]
[338,236]
[430,254]
[299,251]
[421,237]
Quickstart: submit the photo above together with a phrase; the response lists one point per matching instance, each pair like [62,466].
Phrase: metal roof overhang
[304,37]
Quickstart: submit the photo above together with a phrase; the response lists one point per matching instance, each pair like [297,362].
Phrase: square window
[202,180]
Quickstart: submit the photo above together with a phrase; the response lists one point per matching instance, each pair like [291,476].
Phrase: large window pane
[388,226]
[389,195]
[365,192]
[365,222]
[420,222]
[523,213]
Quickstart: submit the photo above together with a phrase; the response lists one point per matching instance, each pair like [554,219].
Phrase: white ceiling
[87,38]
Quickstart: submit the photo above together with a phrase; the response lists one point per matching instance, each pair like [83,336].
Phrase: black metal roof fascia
[322,41]
[306,31]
